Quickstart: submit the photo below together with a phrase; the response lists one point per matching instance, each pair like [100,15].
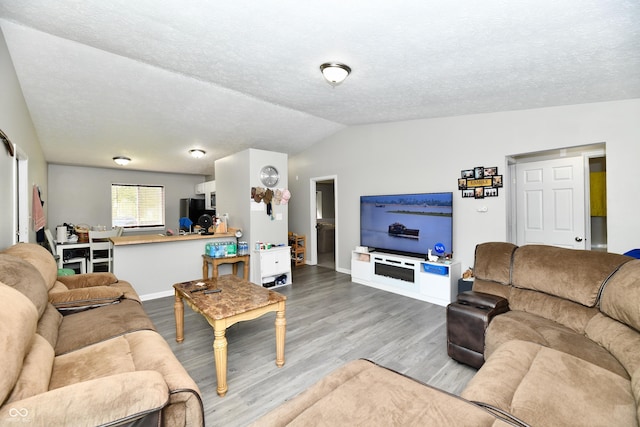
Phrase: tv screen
[407,224]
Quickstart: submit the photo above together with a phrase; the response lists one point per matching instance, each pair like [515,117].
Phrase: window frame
[137,217]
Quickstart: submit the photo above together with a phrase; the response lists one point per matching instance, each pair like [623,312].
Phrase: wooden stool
[215,262]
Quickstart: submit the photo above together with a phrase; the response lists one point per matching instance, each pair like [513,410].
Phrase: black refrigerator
[193,209]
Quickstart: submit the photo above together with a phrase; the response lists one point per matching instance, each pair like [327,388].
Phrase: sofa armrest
[488,302]
[85,297]
[88,280]
[116,398]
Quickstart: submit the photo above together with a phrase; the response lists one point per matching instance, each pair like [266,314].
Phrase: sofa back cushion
[618,339]
[39,257]
[621,295]
[572,274]
[567,313]
[23,277]
[18,319]
[492,268]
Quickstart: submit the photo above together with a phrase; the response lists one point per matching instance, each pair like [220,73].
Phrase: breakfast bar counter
[152,263]
[140,239]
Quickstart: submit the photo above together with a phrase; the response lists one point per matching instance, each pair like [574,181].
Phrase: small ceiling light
[121,160]
[335,73]
[198,154]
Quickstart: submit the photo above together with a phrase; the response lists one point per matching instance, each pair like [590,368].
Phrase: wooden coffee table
[237,300]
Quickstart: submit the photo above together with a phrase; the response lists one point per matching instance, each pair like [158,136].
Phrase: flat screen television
[407,224]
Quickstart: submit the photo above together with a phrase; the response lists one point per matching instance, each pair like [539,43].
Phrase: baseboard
[156,295]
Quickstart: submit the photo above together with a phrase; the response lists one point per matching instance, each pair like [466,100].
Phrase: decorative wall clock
[269,176]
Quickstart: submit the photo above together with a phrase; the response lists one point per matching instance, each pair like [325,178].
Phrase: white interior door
[550,203]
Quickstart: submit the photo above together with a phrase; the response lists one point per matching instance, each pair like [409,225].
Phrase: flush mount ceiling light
[198,154]
[334,73]
[121,160]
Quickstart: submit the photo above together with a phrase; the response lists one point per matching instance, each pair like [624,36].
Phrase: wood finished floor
[330,321]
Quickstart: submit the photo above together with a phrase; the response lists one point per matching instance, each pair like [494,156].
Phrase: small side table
[215,262]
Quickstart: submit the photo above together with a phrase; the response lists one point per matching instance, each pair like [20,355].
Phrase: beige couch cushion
[518,325]
[21,275]
[568,313]
[134,352]
[546,387]
[18,320]
[361,393]
[493,261]
[575,275]
[36,371]
[620,340]
[39,257]
[85,297]
[621,295]
[89,327]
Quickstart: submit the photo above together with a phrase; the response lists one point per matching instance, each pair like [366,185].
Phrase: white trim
[156,295]
[313,232]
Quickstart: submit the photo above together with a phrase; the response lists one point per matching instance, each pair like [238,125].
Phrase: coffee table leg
[220,355]
[178,311]
[281,325]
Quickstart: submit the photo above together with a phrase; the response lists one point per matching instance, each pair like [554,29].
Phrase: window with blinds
[137,206]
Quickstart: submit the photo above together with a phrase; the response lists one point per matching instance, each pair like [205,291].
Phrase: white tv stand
[434,282]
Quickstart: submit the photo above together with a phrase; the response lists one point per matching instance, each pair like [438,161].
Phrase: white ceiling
[150,79]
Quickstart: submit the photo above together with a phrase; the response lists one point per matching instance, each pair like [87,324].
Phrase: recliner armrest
[492,303]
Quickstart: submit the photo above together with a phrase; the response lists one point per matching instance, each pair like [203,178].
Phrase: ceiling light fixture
[122,160]
[198,154]
[335,73]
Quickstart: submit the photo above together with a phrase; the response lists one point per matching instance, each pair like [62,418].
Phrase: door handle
[578,239]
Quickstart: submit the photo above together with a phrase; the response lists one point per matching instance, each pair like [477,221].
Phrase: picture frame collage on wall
[480,182]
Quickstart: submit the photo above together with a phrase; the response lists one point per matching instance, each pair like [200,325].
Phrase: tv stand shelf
[434,282]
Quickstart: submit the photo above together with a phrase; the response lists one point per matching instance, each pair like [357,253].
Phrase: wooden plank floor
[330,321]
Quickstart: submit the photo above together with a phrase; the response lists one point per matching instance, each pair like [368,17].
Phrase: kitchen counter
[153,263]
[161,238]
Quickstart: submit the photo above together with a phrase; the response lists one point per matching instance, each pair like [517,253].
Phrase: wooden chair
[101,249]
[82,261]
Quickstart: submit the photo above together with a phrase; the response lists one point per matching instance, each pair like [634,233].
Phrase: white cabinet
[360,267]
[200,188]
[210,195]
[271,264]
[434,282]
[439,281]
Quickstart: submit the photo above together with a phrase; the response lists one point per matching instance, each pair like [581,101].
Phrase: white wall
[428,155]
[235,175]
[82,195]
[16,123]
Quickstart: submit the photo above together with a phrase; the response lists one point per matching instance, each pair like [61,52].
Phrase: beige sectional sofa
[102,363]
[565,352]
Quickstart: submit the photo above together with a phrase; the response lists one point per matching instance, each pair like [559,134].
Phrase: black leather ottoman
[467,320]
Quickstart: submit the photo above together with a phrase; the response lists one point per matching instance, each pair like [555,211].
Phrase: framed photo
[468,192]
[462,183]
[467,173]
[478,172]
[490,192]
[496,181]
[491,171]
[478,192]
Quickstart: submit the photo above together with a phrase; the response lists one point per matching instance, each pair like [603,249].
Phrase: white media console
[434,282]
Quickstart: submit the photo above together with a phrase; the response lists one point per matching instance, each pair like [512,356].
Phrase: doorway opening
[558,197]
[324,221]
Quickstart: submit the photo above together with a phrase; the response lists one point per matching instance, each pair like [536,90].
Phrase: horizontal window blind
[137,206]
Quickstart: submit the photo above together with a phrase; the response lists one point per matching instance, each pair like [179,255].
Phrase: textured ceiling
[150,79]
